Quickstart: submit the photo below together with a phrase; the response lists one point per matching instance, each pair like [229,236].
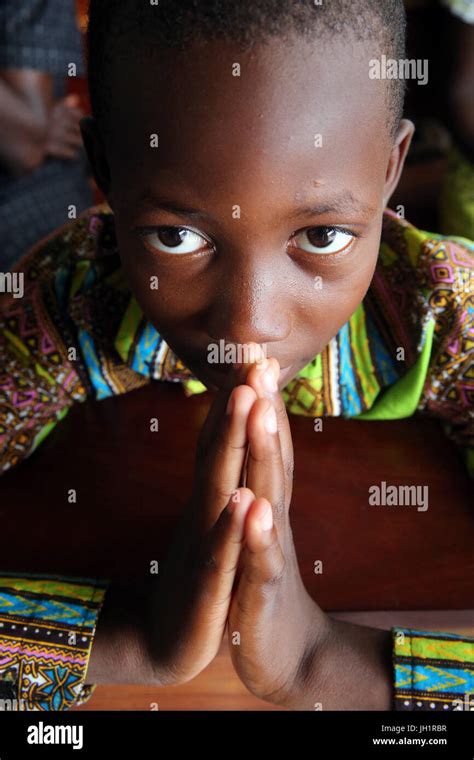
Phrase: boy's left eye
[323,239]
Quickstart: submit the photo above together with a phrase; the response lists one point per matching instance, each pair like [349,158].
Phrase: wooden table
[382,565]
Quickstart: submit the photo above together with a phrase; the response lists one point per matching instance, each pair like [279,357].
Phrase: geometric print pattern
[433,671]
[47,626]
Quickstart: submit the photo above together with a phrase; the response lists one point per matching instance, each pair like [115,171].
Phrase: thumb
[263,563]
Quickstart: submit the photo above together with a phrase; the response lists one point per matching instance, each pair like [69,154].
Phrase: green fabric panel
[428,648]
[128,327]
[80,272]
[45,431]
[313,372]
[193,386]
[401,399]
[45,586]
[362,358]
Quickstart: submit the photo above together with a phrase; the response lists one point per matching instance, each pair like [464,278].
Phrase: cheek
[160,295]
[337,295]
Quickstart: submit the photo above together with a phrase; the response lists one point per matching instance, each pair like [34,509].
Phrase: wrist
[343,667]
[31,150]
[303,684]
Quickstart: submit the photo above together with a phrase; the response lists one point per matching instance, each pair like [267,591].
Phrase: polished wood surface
[131,484]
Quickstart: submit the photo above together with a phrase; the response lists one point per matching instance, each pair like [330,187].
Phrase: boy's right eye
[175,240]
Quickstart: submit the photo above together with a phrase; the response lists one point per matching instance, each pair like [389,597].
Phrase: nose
[250,304]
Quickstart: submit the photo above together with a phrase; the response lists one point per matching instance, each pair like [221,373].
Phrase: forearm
[26,99]
[122,651]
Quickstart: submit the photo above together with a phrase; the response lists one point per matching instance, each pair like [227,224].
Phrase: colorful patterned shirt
[47,626]
[78,333]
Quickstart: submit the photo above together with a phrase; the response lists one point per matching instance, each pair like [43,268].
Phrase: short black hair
[118,27]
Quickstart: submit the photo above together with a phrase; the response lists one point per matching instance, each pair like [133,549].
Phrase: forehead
[296,109]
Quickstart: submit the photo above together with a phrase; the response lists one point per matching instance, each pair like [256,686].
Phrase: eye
[173,239]
[323,239]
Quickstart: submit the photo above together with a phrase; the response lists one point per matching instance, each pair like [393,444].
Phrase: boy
[247,162]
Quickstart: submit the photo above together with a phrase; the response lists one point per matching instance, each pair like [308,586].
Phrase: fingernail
[270,421]
[266,520]
[269,380]
[230,404]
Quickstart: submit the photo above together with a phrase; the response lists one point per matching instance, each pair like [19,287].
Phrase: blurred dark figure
[457,197]
[43,170]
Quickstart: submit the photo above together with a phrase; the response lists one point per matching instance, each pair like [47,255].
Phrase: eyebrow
[344,203]
[149,200]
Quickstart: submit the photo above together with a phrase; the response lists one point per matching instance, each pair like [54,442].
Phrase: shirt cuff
[432,671]
[47,628]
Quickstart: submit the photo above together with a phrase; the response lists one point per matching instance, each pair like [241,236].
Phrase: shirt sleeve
[432,671]
[47,628]
[42,370]
[447,278]
[40,34]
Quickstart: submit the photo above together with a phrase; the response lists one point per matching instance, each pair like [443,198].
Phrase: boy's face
[279,178]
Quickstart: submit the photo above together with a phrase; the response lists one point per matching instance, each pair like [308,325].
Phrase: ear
[95,151]
[397,157]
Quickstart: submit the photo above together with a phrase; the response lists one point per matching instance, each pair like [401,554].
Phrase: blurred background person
[457,197]
[43,170]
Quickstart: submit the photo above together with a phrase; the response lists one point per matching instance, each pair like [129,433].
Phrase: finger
[262,562]
[72,133]
[69,134]
[267,631]
[60,150]
[219,472]
[237,377]
[218,468]
[265,474]
[255,381]
[75,114]
[70,117]
[217,562]
[71,100]
[70,144]
[255,622]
